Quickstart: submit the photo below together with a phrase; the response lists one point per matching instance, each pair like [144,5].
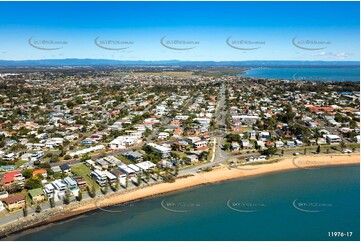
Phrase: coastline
[219,174]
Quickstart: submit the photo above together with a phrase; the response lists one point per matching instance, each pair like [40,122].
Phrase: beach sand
[222,173]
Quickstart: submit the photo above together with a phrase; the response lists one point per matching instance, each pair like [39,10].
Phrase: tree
[25,211]
[54,159]
[105,189]
[305,151]
[126,181]
[92,191]
[176,170]
[139,179]
[282,152]
[27,173]
[38,209]
[80,196]
[318,149]
[270,151]
[158,172]
[67,157]
[147,176]
[33,182]
[227,146]
[343,145]
[52,202]
[67,197]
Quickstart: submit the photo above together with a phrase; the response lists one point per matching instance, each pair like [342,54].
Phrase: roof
[65,166]
[40,171]
[14,198]
[36,192]
[9,176]
[134,154]
[56,169]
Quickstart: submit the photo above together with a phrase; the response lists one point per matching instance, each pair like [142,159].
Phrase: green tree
[305,151]
[318,149]
[105,189]
[80,196]
[38,209]
[52,202]
[33,182]
[139,179]
[67,197]
[126,181]
[27,173]
[92,191]
[25,211]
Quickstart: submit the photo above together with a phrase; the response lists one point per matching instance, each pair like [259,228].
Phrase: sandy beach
[224,173]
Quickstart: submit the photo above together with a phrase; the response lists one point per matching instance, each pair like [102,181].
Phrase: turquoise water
[303,73]
[259,208]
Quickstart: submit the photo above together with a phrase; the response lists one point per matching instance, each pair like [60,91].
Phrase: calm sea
[303,73]
[293,205]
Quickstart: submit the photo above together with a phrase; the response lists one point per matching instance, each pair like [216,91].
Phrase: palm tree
[147,175]
[80,195]
[126,181]
[176,170]
[139,179]
[158,172]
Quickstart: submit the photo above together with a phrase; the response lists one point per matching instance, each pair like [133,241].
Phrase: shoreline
[217,175]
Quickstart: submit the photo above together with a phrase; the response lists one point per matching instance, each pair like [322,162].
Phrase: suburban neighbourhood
[78,134]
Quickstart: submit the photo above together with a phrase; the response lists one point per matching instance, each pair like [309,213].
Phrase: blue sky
[255,30]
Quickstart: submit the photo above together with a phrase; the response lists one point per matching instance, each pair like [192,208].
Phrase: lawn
[83,171]
[124,159]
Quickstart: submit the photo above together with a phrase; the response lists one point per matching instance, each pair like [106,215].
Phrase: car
[346,151]
[296,153]
[199,170]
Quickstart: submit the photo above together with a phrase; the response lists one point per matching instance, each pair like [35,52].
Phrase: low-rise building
[15,202]
[37,195]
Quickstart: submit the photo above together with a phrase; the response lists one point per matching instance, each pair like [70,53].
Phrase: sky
[197,31]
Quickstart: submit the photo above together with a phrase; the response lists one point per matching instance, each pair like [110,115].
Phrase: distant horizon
[174,62]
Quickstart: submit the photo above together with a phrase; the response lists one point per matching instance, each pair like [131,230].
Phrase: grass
[20,163]
[180,154]
[124,159]
[83,171]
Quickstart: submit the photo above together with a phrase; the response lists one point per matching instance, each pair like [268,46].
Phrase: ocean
[291,205]
[306,73]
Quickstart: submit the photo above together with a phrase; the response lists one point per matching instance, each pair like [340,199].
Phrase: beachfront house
[99,177]
[333,139]
[72,185]
[49,190]
[37,195]
[15,202]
